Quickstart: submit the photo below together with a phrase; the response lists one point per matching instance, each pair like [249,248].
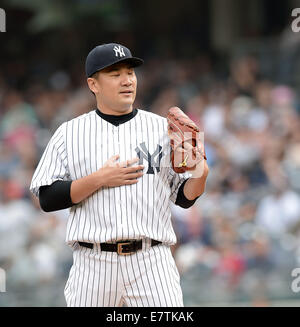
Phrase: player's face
[116,87]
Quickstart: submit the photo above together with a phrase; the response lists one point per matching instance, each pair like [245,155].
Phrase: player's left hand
[185,139]
[191,156]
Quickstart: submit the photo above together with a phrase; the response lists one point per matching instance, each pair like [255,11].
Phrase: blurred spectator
[278,212]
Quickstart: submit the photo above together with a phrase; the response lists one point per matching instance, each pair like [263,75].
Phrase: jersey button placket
[118,194]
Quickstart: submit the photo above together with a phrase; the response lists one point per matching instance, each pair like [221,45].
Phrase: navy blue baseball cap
[106,55]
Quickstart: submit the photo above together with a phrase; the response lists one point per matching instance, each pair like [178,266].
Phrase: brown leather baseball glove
[187,150]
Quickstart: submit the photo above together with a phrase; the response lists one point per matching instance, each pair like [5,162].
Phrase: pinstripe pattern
[131,211]
[78,148]
[155,283]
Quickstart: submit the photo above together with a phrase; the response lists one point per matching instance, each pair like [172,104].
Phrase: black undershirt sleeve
[181,200]
[56,196]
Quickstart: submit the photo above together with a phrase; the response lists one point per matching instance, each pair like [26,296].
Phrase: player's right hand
[114,174]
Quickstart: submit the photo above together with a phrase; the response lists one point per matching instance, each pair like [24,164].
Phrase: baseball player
[111,167]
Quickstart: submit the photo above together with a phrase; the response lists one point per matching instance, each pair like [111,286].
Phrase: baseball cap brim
[133,61]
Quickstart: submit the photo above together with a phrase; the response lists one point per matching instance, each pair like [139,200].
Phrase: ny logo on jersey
[119,51]
[153,160]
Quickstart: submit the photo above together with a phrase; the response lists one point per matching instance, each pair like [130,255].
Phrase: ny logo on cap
[119,51]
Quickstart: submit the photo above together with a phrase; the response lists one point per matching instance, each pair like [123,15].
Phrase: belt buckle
[120,248]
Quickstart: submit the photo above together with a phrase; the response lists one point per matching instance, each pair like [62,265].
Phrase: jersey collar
[117,120]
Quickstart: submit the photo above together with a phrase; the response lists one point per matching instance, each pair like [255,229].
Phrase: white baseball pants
[148,277]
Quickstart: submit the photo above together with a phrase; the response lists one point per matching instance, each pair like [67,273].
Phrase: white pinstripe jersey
[82,145]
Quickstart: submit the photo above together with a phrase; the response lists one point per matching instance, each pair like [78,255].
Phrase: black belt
[121,247]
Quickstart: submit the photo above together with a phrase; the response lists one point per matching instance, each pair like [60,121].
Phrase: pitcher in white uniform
[112,168]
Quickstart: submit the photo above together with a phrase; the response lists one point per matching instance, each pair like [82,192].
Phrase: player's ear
[93,85]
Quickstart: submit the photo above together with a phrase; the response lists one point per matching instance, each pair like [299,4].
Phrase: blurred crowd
[241,239]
